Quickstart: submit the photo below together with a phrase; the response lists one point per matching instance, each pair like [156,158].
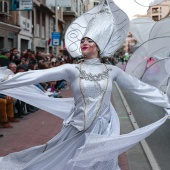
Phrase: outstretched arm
[145,91]
[37,76]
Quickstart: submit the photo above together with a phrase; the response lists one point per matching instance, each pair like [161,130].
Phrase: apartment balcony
[159,12]
[156,18]
[69,15]
[70,11]
[44,7]
[5,19]
[156,10]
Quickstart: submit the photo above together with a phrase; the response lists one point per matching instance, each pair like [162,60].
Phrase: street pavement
[39,127]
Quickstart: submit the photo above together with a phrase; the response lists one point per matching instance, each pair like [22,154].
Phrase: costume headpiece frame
[106,24]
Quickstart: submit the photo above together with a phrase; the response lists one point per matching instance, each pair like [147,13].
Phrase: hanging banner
[22,5]
[64,3]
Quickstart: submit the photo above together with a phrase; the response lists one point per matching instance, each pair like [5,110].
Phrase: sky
[131,7]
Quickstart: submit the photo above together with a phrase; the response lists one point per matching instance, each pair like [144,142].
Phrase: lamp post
[56,22]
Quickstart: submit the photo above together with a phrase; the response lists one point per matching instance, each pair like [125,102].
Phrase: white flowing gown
[90,138]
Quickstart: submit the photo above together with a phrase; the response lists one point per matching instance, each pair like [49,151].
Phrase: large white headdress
[106,24]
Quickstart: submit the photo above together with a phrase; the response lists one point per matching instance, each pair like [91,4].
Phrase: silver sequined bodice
[93,84]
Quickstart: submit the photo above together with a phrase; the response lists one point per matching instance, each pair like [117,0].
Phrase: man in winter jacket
[4,57]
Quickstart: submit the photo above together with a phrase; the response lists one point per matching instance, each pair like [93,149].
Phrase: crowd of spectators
[11,110]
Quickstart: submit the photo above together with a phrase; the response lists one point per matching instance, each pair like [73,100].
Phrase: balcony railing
[155,11]
[70,9]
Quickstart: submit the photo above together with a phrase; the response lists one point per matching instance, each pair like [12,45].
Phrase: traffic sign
[56,39]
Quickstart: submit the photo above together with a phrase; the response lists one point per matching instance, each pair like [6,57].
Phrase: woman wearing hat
[90,137]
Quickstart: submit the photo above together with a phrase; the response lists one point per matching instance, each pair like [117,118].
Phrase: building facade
[9,27]
[25,34]
[70,13]
[33,29]
[156,13]
[89,4]
[76,9]
[43,26]
[160,11]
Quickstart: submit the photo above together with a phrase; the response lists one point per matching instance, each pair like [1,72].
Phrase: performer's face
[89,48]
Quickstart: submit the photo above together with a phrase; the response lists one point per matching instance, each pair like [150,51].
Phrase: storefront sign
[22,5]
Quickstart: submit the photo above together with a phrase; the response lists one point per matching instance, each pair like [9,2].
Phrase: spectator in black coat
[4,57]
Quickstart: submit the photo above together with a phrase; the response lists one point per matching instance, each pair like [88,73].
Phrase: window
[10,43]
[155,18]
[37,16]
[1,42]
[43,19]
[43,25]
[68,8]
[96,3]
[155,10]
[4,6]
[80,9]
[51,26]
[76,6]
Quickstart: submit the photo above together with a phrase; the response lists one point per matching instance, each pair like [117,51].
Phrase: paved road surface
[146,113]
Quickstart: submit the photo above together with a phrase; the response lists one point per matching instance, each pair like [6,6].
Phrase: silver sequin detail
[95,78]
[93,87]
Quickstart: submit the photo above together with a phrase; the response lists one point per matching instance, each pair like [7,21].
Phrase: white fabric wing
[156,75]
[20,87]
[148,2]
[160,28]
[136,65]
[140,28]
[34,96]
[107,148]
[145,91]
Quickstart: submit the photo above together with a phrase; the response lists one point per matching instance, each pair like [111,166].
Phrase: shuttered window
[1,42]
[10,43]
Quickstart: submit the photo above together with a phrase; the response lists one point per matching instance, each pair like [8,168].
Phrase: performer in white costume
[90,138]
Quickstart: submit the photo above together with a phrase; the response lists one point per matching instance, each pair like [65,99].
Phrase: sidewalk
[39,127]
